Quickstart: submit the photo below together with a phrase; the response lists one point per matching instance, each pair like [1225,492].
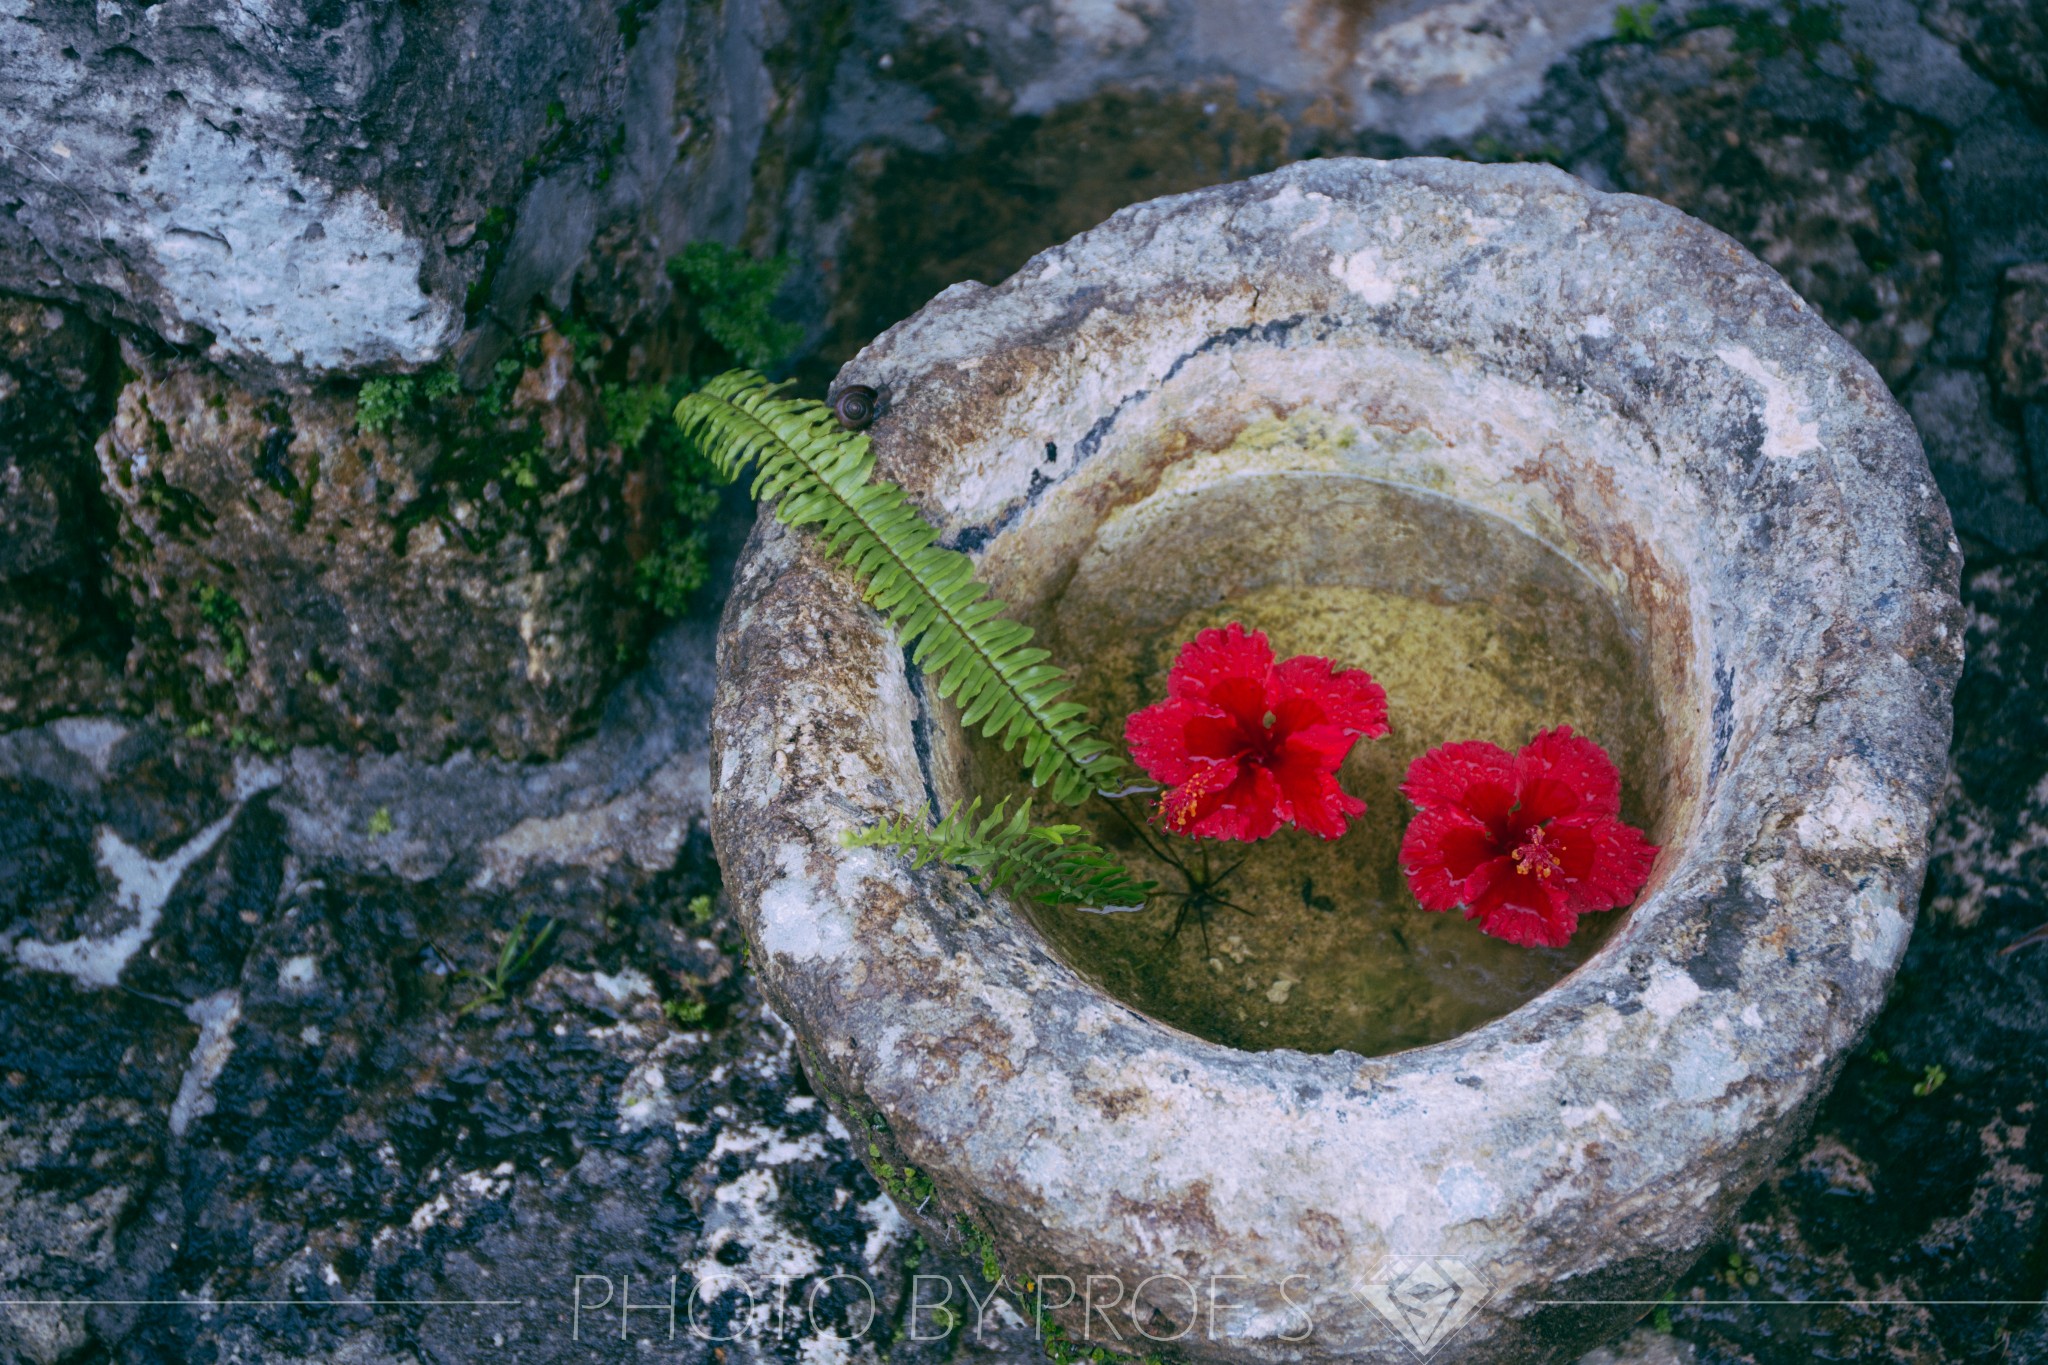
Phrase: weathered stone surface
[321,187]
[1922,1180]
[1993,188]
[972,176]
[1597,366]
[60,645]
[456,579]
[247,1055]
[274,204]
[1643,1347]
[959,141]
[87,1209]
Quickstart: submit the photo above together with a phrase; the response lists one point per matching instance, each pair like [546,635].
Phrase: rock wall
[313,196]
[276,206]
[310,188]
[449,579]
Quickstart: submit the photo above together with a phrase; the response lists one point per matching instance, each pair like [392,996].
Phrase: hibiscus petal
[1305,691]
[1183,808]
[1441,850]
[1313,799]
[1606,862]
[1245,701]
[1448,773]
[1566,774]
[1541,799]
[1467,844]
[1158,738]
[1524,910]
[1247,810]
[1326,745]
[1215,656]
[1216,734]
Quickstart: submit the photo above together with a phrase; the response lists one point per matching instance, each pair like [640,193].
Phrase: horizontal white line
[517,1303]
[1791,1303]
[261,1303]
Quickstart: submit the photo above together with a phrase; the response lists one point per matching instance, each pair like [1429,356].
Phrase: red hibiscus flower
[1246,745]
[1526,843]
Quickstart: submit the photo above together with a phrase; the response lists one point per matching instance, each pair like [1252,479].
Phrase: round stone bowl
[1618,380]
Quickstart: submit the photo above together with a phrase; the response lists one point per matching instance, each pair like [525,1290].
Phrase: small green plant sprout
[984,1247]
[667,579]
[684,1013]
[385,399]
[219,609]
[1052,864]
[630,410]
[1931,1080]
[699,910]
[668,576]
[245,737]
[1058,1345]
[730,293]
[820,475]
[381,401]
[1632,22]
[518,963]
[380,822]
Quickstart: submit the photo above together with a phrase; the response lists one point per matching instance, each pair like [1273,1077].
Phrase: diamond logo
[1426,1299]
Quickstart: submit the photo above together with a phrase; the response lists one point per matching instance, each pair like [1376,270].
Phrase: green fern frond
[1050,863]
[821,475]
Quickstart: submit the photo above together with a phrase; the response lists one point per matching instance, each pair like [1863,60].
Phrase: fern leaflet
[1050,863]
[820,475]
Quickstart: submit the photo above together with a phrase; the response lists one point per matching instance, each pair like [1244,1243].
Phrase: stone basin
[1623,384]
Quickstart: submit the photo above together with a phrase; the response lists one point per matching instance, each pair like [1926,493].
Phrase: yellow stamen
[1536,856]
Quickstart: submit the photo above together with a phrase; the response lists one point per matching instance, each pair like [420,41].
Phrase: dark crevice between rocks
[921,732]
[63,634]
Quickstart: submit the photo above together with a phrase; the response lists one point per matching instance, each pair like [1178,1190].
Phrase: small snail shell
[855,406]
